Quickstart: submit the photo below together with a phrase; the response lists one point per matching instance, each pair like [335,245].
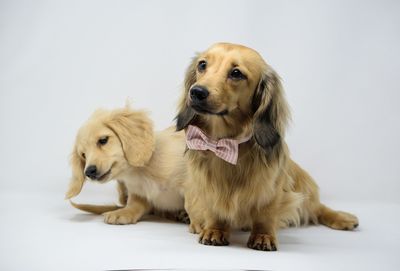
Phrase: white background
[60,60]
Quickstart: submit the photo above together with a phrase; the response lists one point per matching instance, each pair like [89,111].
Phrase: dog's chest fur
[234,191]
[161,196]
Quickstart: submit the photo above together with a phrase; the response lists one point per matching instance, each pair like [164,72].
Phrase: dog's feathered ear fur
[78,177]
[185,113]
[135,131]
[271,111]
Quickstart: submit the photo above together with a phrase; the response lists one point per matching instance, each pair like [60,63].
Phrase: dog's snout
[198,93]
[91,171]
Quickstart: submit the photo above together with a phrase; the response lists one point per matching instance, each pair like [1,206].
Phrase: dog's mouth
[104,176]
[202,110]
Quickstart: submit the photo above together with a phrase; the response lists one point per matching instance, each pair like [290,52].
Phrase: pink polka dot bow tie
[226,148]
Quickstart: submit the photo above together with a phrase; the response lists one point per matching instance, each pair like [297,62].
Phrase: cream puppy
[149,167]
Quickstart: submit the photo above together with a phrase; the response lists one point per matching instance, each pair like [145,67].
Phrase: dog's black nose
[91,171]
[198,93]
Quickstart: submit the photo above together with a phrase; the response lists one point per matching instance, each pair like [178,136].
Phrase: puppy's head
[107,144]
[232,81]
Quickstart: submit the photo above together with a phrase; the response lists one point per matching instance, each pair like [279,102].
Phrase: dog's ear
[185,113]
[271,111]
[78,177]
[135,131]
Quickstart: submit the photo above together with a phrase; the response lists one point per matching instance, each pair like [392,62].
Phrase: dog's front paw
[264,242]
[121,217]
[213,238]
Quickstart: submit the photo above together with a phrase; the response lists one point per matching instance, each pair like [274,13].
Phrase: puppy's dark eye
[202,66]
[83,155]
[236,74]
[103,141]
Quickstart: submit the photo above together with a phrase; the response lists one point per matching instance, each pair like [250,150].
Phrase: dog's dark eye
[202,66]
[236,74]
[103,140]
[83,155]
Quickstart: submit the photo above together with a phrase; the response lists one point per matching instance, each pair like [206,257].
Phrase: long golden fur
[149,167]
[266,189]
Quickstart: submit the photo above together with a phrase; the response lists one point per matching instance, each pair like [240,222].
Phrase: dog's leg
[312,210]
[196,224]
[182,216]
[135,208]
[263,233]
[215,233]
[336,219]
[179,215]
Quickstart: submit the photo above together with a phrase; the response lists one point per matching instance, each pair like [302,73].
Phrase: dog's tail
[95,209]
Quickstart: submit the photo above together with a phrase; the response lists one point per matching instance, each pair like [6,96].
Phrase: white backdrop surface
[60,60]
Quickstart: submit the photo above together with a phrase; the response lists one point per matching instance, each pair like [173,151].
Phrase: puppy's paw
[263,242]
[121,217]
[344,221]
[195,228]
[213,238]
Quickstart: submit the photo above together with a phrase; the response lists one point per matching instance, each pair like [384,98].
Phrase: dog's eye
[103,140]
[236,74]
[202,66]
[83,155]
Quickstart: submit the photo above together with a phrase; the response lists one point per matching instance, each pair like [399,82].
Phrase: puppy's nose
[198,93]
[91,171]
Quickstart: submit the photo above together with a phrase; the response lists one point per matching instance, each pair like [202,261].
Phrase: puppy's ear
[185,113]
[135,131]
[78,177]
[271,111]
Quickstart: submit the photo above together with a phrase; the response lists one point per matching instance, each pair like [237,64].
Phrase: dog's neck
[235,125]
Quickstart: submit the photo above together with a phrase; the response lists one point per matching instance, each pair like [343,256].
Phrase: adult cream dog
[235,115]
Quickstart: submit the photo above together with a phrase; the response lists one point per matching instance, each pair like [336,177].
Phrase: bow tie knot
[226,148]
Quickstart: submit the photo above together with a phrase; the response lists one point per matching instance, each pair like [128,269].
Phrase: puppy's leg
[263,233]
[122,193]
[135,208]
[215,232]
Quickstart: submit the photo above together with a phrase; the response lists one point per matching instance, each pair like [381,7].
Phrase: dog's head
[233,82]
[107,144]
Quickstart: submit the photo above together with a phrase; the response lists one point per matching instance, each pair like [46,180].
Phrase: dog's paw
[245,229]
[264,242]
[121,217]
[344,221]
[183,216]
[195,228]
[213,238]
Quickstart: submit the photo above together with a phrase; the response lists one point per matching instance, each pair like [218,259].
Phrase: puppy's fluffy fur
[150,168]
[266,189]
